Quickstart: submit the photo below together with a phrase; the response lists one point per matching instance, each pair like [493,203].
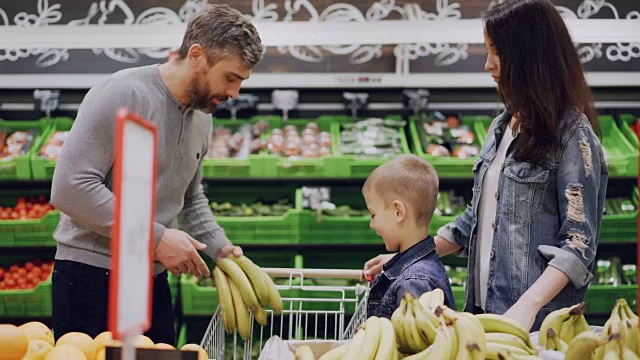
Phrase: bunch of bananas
[560,327]
[619,339]
[242,285]
[376,340]
[505,339]
[414,321]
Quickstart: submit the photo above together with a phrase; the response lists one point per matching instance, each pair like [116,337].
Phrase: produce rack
[295,236]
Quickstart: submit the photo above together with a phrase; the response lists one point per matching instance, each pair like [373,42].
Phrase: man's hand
[373,267]
[228,250]
[177,251]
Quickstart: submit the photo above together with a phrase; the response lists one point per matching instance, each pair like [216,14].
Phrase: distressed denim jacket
[547,215]
[417,270]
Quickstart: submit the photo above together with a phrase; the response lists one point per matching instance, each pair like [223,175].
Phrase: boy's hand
[373,267]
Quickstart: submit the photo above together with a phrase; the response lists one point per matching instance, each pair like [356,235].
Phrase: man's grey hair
[222,31]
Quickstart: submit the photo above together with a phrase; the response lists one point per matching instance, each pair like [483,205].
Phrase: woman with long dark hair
[532,229]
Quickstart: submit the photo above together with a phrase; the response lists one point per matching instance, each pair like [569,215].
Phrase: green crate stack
[626,121]
[348,166]
[620,154]
[28,303]
[282,229]
[449,166]
[620,228]
[30,232]
[325,229]
[41,167]
[602,298]
[19,168]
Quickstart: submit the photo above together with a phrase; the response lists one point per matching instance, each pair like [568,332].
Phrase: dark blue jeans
[81,302]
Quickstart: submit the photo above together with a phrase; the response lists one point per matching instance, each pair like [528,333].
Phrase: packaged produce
[445,136]
[372,138]
[618,206]
[51,149]
[308,143]
[246,140]
[16,143]
[256,209]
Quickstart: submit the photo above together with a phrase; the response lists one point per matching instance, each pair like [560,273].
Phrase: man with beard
[219,49]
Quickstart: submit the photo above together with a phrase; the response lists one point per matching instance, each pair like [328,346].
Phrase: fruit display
[52,147]
[373,137]
[506,339]
[560,327]
[242,285]
[258,208]
[446,136]
[21,276]
[618,206]
[290,141]
[16,143]
[34,341]
[27,208]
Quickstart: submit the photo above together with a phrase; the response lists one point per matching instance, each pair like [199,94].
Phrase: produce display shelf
[29,232]
[42,168]
[19,168]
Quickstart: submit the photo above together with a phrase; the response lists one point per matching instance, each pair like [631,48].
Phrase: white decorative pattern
[101,11]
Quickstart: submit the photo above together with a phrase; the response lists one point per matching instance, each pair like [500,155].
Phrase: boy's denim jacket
[417,270]
[547,215]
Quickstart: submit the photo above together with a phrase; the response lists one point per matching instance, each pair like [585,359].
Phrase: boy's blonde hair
[407,178]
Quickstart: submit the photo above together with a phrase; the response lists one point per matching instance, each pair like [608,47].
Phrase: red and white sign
[134,184]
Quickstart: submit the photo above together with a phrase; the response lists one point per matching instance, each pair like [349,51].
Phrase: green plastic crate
[283,229]
[621,228]
[602,298]
[347,166]
[620,154]
[626,121]
[458,296]
[482,124]
[27,303]
[41,167]
[32,232]
[19,168]
[333,229]
[449,166]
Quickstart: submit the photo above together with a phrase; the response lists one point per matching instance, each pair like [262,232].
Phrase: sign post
[134,183]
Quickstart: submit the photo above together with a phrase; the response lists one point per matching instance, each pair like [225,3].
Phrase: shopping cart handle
[315,273]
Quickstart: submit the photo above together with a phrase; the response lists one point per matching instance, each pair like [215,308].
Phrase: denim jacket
[547,215]
[417,270]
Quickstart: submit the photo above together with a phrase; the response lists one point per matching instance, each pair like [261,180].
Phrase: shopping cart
[309,312]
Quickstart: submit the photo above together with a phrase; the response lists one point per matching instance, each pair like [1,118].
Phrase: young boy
[401,197]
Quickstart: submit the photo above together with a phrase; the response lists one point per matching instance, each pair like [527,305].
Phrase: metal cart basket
[309,312]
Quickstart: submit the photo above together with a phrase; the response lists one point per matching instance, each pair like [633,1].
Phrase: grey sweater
[82,180]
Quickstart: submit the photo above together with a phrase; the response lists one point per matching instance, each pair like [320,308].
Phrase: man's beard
[200,98]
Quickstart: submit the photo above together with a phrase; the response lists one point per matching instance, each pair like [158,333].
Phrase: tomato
[35,281]
[29,276]
[22,272]
[9,282]
[44,276]
[15,276]
[4,215]
[36,271]
[2,272]
[28,266]
[23,286]
[14,268]
[46,267]
[14,215]
[21,281]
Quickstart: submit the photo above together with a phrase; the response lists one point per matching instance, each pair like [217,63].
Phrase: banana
[494,350]
[502,324]
[470,334]
[238,276]
[583,345]
[356,344]
[509,339]
[555,320]
[568,330]
[510,356]
[254,273]
[226,302]
[335,353]
[445,344]
[260,315]
[372,338]
[243,323]
[554,342]
[304,353]
[425,322]
[432,299]
[627,309]
[614,349]
[581,325]
[275,302]
[414,339]
[387,347]
[397,319]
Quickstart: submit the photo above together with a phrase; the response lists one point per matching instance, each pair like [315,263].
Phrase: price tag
[46,100]
[417,101]
[285,100]
[131,285]
[355,102]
